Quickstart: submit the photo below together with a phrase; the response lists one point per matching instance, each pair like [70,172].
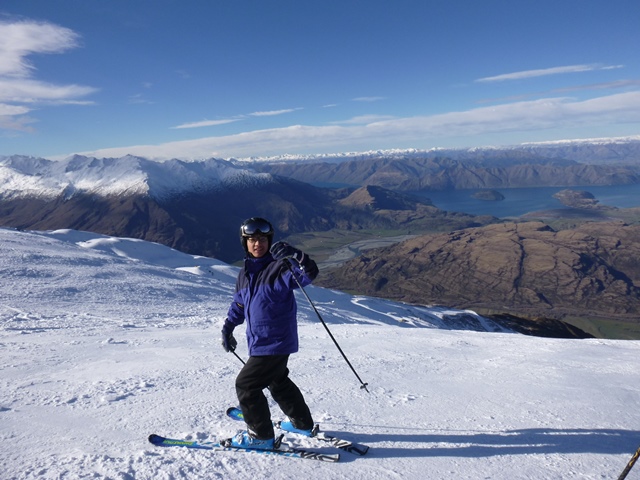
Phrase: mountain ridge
[565,163]
[445,173]
[573,149]
[129,175]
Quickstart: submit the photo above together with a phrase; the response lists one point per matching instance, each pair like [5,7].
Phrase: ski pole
[238,357]
[629,466]
[362,384]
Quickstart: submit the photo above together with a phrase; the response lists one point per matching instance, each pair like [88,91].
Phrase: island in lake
[490,195]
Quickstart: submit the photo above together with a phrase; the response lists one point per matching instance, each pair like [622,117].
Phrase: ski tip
[235,413]
[155,439]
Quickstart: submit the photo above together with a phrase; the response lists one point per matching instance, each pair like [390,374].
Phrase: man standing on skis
[264,297]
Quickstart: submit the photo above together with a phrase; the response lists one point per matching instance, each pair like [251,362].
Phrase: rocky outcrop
[519,268]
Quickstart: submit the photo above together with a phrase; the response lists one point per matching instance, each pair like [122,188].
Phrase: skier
[264,298]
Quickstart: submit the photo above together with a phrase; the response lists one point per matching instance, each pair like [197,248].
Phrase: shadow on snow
[531,441]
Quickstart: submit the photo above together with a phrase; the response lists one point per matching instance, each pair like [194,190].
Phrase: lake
[519,201]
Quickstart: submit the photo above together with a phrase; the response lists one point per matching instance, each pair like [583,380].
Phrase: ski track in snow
[106,340]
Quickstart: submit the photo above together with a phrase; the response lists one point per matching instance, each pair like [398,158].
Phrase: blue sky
[238,78]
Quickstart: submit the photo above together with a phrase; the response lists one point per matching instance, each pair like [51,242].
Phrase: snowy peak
[549,148]
[37,177]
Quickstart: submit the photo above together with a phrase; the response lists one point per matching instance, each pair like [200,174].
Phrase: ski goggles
[256,227]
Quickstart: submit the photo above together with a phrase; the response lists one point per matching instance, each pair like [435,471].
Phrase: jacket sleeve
[235,315]
[305,272]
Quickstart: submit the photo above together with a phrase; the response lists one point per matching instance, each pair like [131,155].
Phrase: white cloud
[18,40]
[33,91]
[139,99]
[551,113]
[616,84]
[206,123]
[520,116]
[13,119]
[212,123]
[364,119]
[547,71]
[274,112]
[599,86]
[368,99]
[6,110]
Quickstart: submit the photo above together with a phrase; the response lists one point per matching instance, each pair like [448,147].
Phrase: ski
[347,446]
[160,441]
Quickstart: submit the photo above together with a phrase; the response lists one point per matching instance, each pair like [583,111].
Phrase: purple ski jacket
[264,298]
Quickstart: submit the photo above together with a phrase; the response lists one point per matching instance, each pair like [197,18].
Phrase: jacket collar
[253,265]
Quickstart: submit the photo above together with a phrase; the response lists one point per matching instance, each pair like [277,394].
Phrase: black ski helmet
[255,226]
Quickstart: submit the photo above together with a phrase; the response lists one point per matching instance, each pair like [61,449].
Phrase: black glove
[281,250]
[229,342]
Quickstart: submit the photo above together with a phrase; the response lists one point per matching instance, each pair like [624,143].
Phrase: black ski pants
[269,372]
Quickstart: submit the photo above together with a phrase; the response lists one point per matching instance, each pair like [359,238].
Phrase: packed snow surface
[105,341]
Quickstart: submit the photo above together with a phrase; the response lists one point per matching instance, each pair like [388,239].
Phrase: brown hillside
[521,268]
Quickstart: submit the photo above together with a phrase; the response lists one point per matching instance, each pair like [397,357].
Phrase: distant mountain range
[622,150]
[468,169]
[197,207]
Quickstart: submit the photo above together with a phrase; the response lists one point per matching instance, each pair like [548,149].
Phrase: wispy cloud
[617,84]
[13,119]
[272,113]
[213,123]
[207,123]
[20,39]
[547,71]
[368,99]
[599,86]
[544,114]
[19,92]
[363,120]
[139,99]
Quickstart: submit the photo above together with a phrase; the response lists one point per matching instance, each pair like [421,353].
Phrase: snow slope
[107,340]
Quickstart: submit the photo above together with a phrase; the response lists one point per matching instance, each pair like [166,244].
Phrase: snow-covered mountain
[37,177]
[105,340]
[574,149]
[27,176]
